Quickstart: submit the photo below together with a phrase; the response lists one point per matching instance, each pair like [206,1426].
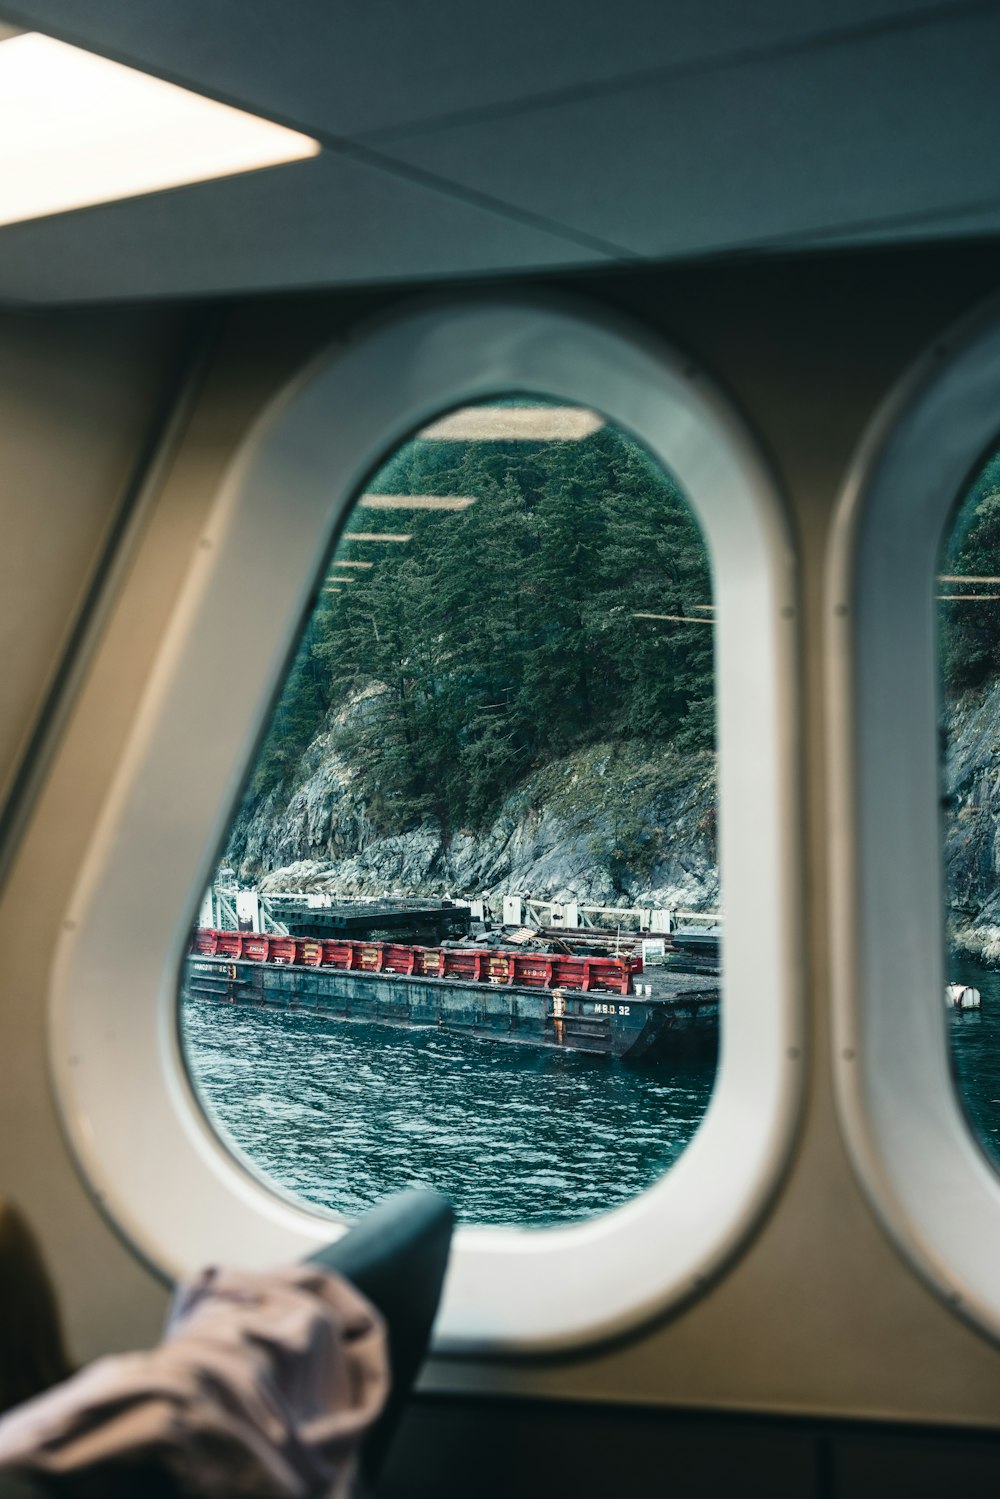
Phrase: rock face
[602,826]
[972,824]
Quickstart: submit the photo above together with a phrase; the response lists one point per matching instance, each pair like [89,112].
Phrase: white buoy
[962,997]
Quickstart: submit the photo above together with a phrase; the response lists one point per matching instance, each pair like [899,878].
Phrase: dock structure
[571,915]
[438,918]
[311,914]
[426,919]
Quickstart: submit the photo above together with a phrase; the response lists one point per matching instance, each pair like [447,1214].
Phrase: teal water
[341,1114]
[975,1054]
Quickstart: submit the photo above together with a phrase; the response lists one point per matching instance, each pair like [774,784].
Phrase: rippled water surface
[344,1113]
[975,1054]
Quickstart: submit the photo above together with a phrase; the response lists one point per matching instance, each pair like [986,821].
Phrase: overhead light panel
[514,424]
[77,129]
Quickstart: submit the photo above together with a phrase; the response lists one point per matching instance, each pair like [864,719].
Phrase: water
[341,1114]
[975,1054]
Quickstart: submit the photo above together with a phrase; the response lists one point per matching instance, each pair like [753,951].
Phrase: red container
[466,963]
[469,965]
[337,954]
[256,947]
[398,959]
[430,962]
[371,957]
[535,970]
[500,968]
[230,944]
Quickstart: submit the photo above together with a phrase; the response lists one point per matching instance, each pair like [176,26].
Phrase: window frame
[925,1173]
[121,1082]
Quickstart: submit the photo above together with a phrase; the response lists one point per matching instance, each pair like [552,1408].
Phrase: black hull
[628,1028]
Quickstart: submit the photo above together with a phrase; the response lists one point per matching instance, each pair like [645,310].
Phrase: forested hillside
[447,670]
[970,658]
[480,703]
[970,588]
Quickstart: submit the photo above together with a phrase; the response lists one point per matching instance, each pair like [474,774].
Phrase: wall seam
[166,430]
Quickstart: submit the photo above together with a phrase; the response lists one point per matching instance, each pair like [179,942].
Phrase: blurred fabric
[263,1385]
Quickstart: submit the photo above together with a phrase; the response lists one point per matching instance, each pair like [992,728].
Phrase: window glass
[968,592]
[465,931]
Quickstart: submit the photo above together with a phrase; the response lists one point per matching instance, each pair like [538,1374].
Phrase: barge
[577,1003]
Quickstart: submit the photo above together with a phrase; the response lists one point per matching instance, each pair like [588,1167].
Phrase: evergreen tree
[971,625]
[502,636]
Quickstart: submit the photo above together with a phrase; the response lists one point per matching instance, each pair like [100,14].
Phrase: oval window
[464,927]
[465,931]
[914,632]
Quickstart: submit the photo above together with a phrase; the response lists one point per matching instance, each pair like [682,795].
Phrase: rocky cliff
[972,823]
[608,824]
[605,825]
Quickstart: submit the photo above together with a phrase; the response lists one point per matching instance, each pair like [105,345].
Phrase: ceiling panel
[326,221]
[893,126]
[979,222]
[347,67]
[749,123]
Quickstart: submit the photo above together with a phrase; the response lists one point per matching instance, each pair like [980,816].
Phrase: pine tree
[503,636]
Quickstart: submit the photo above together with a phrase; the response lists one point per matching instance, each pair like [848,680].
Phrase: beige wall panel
[819,1314]
[112,1301]
[78,392]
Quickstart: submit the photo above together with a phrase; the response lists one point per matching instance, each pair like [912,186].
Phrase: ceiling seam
[820,237]
[361,152]
[943,13]
[446,186]
[822,41]
[824,237]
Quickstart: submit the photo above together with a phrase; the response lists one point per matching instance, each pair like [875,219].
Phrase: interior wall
[78,394]
[112,1302]
[819,1314]
[81,396]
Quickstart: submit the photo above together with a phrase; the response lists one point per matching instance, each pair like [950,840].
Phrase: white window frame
[178,1194]
[926,1176]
